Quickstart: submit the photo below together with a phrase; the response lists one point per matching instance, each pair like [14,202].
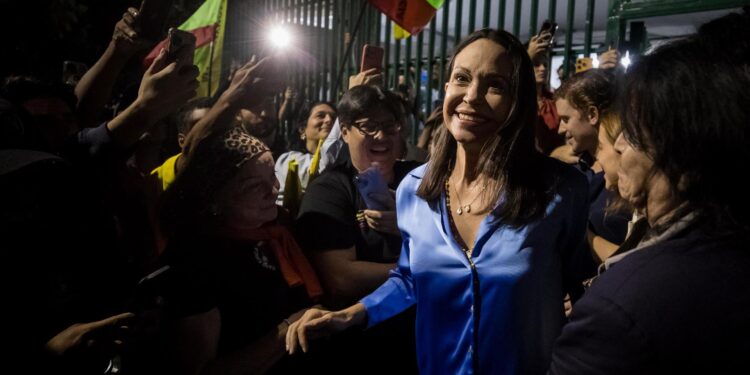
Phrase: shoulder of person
[407,189]
[330,181]
[676,272]
[564,176]
[415,174]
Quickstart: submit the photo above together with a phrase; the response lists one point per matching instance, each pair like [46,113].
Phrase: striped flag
[410,15]
[207,24]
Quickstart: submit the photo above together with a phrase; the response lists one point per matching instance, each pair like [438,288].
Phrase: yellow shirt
[166,172]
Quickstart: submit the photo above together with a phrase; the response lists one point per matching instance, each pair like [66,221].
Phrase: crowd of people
[599,228]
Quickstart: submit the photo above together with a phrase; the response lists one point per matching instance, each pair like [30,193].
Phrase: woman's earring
[302,136]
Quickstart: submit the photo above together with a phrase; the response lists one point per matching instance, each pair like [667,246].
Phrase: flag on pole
[410,15]
[207,24]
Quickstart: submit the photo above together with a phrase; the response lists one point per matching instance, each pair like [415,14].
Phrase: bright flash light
[626,60]
[280,37]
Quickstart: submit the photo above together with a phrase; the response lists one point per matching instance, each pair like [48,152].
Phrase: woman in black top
[352,247]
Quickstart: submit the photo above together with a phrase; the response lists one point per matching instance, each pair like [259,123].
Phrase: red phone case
[372,57]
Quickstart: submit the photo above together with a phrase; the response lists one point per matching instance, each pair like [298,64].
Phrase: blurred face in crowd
[609,158]
[477,97]
[319,124]
[578,127]
[540,71]
[373,138]
[248,200]
[260,120]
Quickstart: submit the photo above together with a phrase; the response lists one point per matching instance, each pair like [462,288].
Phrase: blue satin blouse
[500,311]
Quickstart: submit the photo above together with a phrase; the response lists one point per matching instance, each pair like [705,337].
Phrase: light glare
[626,60]
[280,37]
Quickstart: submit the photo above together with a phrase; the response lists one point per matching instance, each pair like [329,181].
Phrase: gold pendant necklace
[461,207]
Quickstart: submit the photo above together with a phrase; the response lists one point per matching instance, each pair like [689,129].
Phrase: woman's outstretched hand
[316,323]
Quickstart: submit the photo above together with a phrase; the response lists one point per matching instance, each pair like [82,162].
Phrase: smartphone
[372,57]
[373,188]
[153,17]
[550,27]
[178,39]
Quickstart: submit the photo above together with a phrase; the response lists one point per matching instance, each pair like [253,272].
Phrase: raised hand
[609,59]
[368,77]
[126,36]
[168,85]
[538,45]
[254,81]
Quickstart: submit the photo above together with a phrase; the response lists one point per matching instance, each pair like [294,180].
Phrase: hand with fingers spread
[254,81]
[609,59]
[126,37]
[316,323]
[368,77]
[90,335]
[539,45]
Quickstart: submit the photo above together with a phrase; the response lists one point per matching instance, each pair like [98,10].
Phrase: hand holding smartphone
[177,40]
[550,28]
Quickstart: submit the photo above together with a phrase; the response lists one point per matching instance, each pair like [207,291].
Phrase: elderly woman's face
[477,96]
[373,138]
[636,173]
[248,200]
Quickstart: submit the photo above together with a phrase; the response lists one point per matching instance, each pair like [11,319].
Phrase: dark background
[38,35]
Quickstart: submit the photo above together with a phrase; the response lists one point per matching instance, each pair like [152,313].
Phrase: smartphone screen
[177,40]
[372,57]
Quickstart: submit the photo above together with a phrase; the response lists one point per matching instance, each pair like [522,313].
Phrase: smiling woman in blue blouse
[489,229]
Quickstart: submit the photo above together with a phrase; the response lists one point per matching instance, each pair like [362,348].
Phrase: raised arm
[95,87]
[284,111]
[165,87]
[250,84]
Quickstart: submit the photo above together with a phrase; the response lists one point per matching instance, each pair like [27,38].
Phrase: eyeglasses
[372,128]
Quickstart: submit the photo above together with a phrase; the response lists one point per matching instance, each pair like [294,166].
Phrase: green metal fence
[330,34]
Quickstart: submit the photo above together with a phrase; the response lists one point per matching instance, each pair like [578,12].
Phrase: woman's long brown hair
[509,159]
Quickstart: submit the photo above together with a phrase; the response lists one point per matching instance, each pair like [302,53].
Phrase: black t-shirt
[328,220]
[328,216]
[240,277]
